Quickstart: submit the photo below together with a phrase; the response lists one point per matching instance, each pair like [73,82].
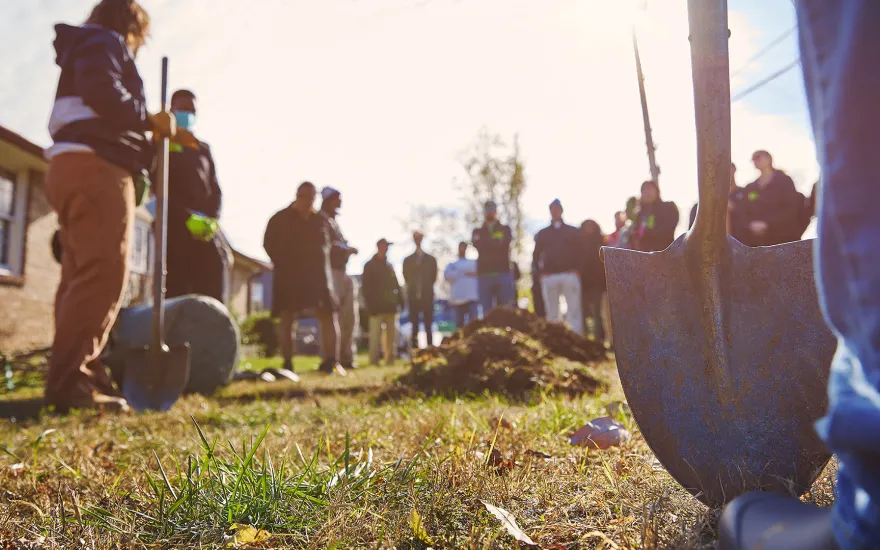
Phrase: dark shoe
[770,521]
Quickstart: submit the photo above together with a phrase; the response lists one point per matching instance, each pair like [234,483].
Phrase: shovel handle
[161,186]
[709,37]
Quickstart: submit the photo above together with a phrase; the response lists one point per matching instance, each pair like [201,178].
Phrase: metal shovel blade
[152,385]
[724,386]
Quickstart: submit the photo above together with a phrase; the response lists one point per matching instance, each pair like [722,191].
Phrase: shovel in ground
[155,376]
[721,349]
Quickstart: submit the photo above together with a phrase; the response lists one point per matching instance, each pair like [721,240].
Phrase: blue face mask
[185,120]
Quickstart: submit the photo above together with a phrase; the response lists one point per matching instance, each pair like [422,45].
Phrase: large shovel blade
[730,406]
[156,385]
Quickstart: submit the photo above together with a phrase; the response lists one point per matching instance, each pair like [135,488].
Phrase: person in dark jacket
[345,286]
[419,276]
[772,207]
[383,299]
[100,152]
[558,255]
[298,244]
[194,258]
[492,241]
[735,223]
[593,287]
[654,221]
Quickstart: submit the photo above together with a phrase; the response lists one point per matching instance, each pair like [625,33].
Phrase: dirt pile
[510,352]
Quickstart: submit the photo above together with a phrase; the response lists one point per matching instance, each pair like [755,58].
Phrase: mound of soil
[557,338]
[511,352]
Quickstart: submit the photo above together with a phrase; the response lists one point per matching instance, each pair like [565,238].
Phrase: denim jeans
[840,49]
[465,313]
[496,290]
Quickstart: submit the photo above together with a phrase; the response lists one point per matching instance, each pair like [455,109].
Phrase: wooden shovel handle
[709,37]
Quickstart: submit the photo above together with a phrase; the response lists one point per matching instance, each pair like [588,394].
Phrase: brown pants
[95,204]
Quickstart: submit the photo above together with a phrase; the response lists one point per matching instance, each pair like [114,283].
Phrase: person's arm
[269,242]
[450,273]
[536,253]
[477,241]
[215,201]
[434,271]
[98,81]
[508,236]
[398,290]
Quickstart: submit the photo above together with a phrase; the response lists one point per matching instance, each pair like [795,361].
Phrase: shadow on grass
[288,392]
[21,409]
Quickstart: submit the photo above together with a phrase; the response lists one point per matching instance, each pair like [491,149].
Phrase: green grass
[321,465]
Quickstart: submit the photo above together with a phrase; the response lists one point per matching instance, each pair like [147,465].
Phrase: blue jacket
[100,103]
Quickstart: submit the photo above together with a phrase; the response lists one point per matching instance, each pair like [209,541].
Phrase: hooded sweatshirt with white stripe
[100,104]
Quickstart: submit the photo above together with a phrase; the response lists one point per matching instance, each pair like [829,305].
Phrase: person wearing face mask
[559,258]
[98,166]
[654,220]
[195,261]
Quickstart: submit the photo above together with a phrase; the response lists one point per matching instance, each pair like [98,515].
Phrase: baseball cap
[384,242]
[328,192]
[556,202]
[490,206]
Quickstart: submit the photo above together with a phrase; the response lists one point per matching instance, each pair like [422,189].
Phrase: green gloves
[201,226]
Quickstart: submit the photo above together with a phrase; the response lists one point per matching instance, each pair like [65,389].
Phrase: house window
[13,207]
[257,297]
[140,250]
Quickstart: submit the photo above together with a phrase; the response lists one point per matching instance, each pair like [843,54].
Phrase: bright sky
[379,97]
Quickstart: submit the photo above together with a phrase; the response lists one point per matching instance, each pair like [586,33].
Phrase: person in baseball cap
[383,299]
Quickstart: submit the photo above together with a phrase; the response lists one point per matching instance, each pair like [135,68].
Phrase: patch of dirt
[510,352]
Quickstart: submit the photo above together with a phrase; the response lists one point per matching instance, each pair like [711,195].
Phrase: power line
[765,81]
[763,51]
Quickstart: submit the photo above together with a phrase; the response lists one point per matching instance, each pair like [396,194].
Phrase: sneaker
[332,367]
[95,401]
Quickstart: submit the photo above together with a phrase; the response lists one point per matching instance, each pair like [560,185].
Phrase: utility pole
[649,141]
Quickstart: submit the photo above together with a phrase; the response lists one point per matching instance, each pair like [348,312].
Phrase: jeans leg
[473,312]
[507,290]
[573,301]
[485,290]
[550,290]
[460,314]
[839,50]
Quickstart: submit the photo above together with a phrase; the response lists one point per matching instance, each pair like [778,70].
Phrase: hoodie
[100,104]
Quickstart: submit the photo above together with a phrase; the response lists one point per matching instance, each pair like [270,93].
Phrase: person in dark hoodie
[654,221]
[194,255]
[772,207]
[298,243]
[593,285]
[100,154]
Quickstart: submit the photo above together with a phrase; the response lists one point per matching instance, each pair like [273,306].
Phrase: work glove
[185,138]
[164,125]
[202,227]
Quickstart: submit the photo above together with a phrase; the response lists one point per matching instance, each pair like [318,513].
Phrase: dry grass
[321,465]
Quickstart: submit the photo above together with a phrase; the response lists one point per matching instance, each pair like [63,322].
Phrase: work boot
[770,521]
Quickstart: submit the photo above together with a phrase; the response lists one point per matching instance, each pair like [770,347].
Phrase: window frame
[13,270]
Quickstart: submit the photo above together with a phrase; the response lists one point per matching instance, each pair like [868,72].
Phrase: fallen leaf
[501,422]
[415,523]
[497,461]
[537,454]
[246,534]
[509,523]
[601,433]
